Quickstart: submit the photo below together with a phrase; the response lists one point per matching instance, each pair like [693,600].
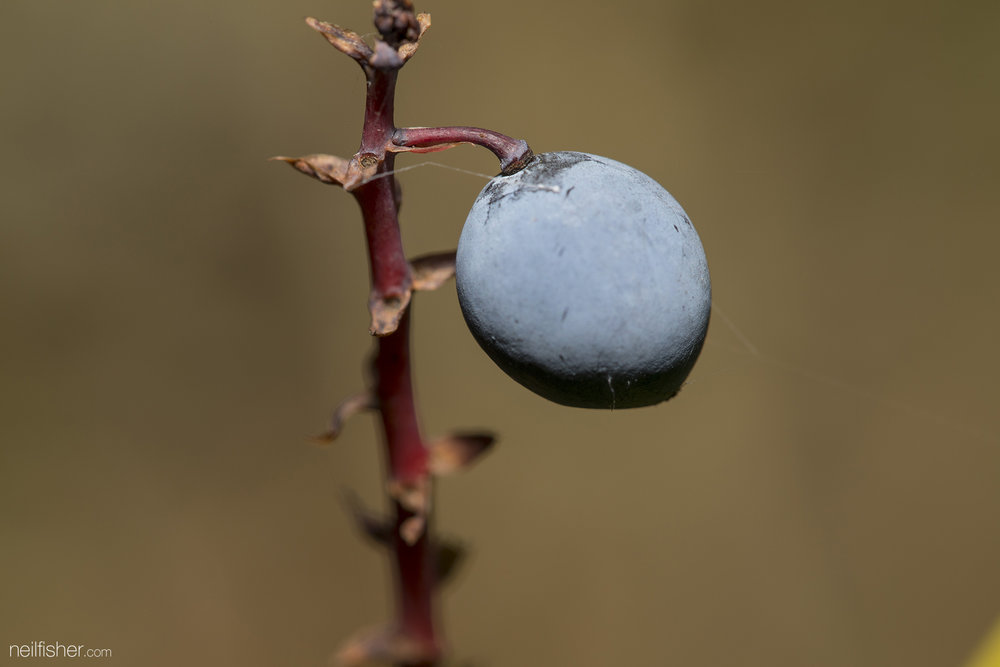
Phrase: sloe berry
[585,281]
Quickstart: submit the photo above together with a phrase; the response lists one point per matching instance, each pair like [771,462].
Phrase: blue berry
[584,280]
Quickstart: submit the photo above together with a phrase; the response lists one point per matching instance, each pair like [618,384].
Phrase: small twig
[414,639]
[513,154]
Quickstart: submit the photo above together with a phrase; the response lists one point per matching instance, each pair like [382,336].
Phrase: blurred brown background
[179,314]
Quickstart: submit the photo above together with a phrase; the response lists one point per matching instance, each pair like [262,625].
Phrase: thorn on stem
[387,311]
[348,408]
[384,645]
[448,556]
[448,553]
[375,527]
[414,497]
[324,168]
[458,451]
[429,272]
[411,529]
[344,40]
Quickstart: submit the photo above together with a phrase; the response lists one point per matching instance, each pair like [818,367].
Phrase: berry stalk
[512,153]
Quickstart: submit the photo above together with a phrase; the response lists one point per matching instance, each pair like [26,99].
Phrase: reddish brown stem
[407,462]
[413,640]
[389,269]
[379,108]
[394,389]
[512,153]
[406,454]
[390,272]
[414,568]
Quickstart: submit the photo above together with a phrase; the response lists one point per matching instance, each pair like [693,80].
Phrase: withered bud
[396,21]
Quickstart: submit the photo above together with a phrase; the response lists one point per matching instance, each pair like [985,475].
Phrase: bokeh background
[179,314]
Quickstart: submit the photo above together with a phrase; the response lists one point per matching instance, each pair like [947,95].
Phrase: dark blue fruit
[584,280]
